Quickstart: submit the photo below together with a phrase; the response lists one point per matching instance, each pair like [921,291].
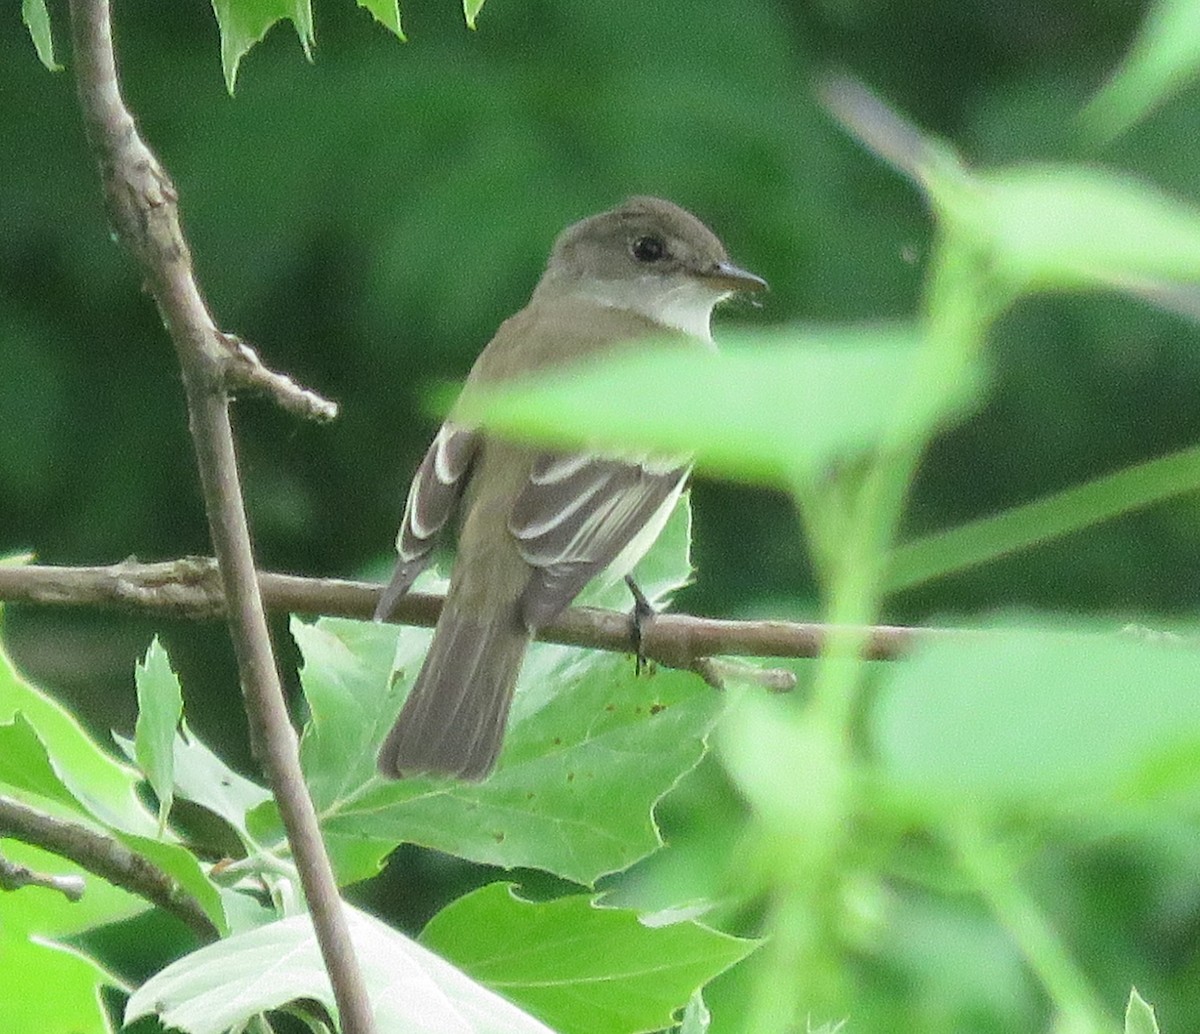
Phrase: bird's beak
[732,278]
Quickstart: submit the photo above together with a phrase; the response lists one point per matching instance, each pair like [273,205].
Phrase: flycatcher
[536,526]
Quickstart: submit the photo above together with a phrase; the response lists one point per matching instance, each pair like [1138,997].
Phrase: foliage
[984,836]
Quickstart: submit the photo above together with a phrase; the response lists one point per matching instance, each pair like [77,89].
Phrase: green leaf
[1051,227]
[696,1017]
[244,23]
[767,407]
[978,542]
[579,967]
[411,989]
[49,988]
[102,786]
[1139,1015]
[590,748]
[386,12]
[24,763]
[1164,58]
[37,20]
[471,9]
[160,710]
[203,778]
[1054,721]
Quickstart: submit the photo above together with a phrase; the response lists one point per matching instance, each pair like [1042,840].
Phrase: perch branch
[104,857]
[190,589]
[142,205]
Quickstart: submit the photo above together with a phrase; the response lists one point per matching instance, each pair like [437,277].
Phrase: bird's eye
[649,249]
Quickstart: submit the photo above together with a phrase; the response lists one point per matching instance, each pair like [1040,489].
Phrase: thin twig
[190,589]
[107,858]
[142,207]
[14,876]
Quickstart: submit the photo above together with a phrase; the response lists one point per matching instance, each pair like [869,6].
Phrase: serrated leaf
[1164,58]
[25,765]
[1045,719]
[37,20]
[386,12]
[411,989]
[580,967]
[160,710]
[101,786]
[1139,1015]
[471,9]
[590,749]
[768,407]
[244,23]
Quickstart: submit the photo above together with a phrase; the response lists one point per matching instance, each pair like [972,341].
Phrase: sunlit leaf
[103,787]
[578,967]
[49,988]
[411,989]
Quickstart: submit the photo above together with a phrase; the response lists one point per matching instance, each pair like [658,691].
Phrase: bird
[536,525]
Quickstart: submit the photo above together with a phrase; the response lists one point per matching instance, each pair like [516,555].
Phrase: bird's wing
[432,499]
[577,513]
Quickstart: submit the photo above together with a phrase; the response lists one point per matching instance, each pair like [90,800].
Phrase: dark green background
[366,221]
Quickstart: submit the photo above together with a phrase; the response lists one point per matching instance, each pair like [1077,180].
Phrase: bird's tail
[454,718]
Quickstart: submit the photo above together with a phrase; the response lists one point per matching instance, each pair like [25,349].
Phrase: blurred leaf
[1164,58]
[768,407]
[101,785]
[1021,527]
[37,21]
[244,23]
[1065,227]
[160,710]
[590,748]
[386,12]
[580,967]
[1049,720]
[1139,1015]
[411,989]
[47,987]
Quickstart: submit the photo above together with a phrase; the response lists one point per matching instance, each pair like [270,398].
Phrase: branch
[190,589]
[142,206]
[104,857]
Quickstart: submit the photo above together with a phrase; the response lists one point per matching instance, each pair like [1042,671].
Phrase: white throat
[686,305]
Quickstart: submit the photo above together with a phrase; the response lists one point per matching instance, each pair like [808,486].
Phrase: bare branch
[190,589]
[107,858]
[142,206]
[16,877]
